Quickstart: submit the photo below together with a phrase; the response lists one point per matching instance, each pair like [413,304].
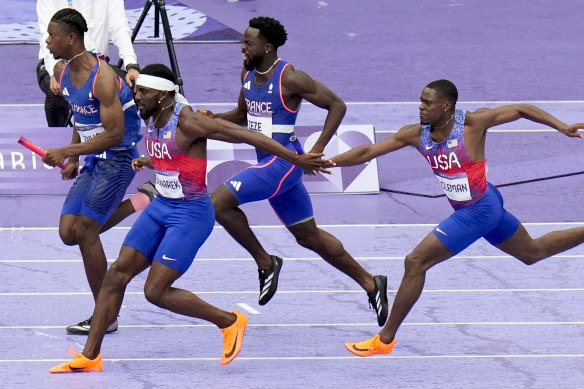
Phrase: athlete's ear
[162,96]
[268,47]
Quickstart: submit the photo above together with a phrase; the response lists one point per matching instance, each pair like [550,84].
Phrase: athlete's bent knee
[116,277]
[154,295]
[85,231]
[414,263]
[529,258]
[68,237]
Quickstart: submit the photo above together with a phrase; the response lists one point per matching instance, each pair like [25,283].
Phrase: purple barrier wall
[23,173]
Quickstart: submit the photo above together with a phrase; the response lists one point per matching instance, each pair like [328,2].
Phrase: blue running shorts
[101,185]
[171,231]
[280,182]
[486,218]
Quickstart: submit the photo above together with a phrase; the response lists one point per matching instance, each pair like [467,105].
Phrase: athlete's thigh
[187,228]
[109,182]
[262,181]
[77,192]
[461,229]
[430,251]
[223,198]
[293,207]
[517,244]
[160,277]
[148,230]
[130,262]
[468,224]
[506,229]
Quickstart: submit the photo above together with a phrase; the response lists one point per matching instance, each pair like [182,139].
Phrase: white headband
[160,83]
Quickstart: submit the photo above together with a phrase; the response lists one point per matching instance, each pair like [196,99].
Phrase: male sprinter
[106,129]
[171,229]
[453,142]
[269,100]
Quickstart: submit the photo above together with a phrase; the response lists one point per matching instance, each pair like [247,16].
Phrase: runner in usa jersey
[270,97]
[169,232]
[463,180]
[177,175]
[453,143]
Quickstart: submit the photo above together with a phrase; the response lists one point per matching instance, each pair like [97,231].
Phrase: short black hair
[158,70]
[72,20]
[270,29]
[445,88]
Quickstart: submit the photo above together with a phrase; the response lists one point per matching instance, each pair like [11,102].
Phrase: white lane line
[523,290]
[376,225]
[293,259]
[316,358]
[248,308]
[372,324]
[490,130]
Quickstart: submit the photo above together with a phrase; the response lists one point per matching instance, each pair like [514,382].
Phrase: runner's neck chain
[75,56]
[270,68]
[445,124]
[160,113]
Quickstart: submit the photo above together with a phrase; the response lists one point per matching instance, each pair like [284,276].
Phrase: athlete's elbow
[116,139]
[341,107]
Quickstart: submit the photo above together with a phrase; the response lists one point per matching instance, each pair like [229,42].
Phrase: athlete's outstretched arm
[407,136]
[198,125]
[296,82]
[484,118]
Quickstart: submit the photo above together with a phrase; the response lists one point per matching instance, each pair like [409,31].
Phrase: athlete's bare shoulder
[410,133]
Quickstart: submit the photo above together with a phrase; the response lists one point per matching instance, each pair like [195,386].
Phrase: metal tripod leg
[160,12]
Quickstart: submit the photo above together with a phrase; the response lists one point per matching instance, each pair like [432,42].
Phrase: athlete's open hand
[572,130]
[312,163]
[139,163]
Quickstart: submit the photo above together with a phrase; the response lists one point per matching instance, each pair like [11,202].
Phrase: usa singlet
[478,205]
[86,113]
[463,180]
[266,111]
[177,175]
[175,224]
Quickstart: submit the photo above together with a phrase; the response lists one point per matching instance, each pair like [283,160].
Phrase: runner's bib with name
[168,184]
[455,186]
[88,132]
[260,123]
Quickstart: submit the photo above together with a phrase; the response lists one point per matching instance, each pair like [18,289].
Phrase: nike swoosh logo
[167,259]
[359,349]
[429,147]
[76,368]
[440,231]
[229,354]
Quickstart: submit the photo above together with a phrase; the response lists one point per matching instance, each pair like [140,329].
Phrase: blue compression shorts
[101,185]
[171,231]
[280,182]
[486,218]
